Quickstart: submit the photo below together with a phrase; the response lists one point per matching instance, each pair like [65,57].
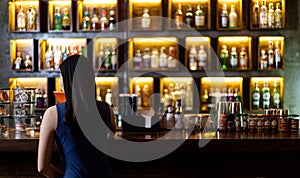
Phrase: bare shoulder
[50,117]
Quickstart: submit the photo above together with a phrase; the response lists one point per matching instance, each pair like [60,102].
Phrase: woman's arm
[46,141]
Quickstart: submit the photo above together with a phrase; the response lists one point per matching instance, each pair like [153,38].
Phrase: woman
[80,157]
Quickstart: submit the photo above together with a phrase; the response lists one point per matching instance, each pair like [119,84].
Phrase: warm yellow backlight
[197,39]
[28,82]
[234,38]
[23,41]
[155,40]
[27,3]
[63,41]
[142,80]
[106,79]
[229,1]
[60,2]
[102,2]
[222,79]
[177,79]
[189,1]
[267,79]
[145,1]
[268,38]
[107,40]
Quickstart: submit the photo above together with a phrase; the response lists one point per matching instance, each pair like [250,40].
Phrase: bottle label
[31,19]
[256,96]
[277,57]
[224,21]
[145,22]
[276,98]
[163,61]
[113,59]
[178,20]
[263,19]
[243,62]
[199,21]
[266,96]
[21,22]
[189,21]
[233,61]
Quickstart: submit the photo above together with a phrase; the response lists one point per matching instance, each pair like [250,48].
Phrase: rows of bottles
[271,56]
[107,57]
[265,14]
[233,59]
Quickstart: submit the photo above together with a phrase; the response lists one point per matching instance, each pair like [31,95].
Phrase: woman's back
[81,158]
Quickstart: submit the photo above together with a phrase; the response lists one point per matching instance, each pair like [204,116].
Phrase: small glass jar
[245,122]
[4,95]
[222,124]
[260,123]
[4,125]
[274,122]
[252,122]
[294,119]
[283,124]
[267,123]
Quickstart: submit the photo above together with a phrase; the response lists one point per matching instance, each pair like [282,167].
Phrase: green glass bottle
[86,19]
[57,19]
[256,97]
[107,60]
[266,96]
[66,20]
[276,96]
[237,96]
[224,57]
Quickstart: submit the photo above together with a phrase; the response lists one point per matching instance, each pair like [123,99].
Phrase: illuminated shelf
[238,42]
[271,81]
[13,10]
[105,83]
[146,90]
[263,44]
[136,8]
[25,49]
[197,42]
[238,9]
[205,7]
[62,4]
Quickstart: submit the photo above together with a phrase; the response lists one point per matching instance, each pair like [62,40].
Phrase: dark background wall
[291,71]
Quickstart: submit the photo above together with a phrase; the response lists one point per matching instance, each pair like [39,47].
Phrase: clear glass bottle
[31,18]
[224,94]
[49,58]
[112,20]
[189,97]
[270,55]
[21,20]
[255,15]
[178,115]
[266,96]
[172,61]
[170,118]
[66,20]
[202,57]
[146,96]
[263,19]
[107,58]
[146,59]
[233,58]
[243,61]
[108,96]
[256,96]
[278,16]
[18,61]
[224,17]
[232,17]
[189,16]
[137,60]
[137,91]
[86,19]
[271,16]
[27,64]
[277,56]
[230,95]
[103,19]
[146,21]
[199,17]
[276,95]
[163,58]
[178,16]
[224,57]
[95,25]
[57,57]
[263,60]
[193,61]
[154,58]
[57,19]
[100,61]
[113,57]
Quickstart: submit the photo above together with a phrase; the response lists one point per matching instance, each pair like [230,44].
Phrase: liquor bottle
[277,55]
[199,17]
[98,93]
[154,58]
[163,58]
[57,54]
[178,16]
[188,97]
[232,17]
[205,101]
[178,115]
[86,19]
[31,18]
[211,98]
[21,20]
[276,96]
[233,58]
[224,57]
[172,62]
[95,25]
[263,60]
[189,17]
[255,15]
[224,94]
[66,21]
[224,17]
[49,59]
[45,98]
[137,91]
[107,57]
[256,97]
[170,118]
[146,59]
[108,97]
[202,57]
[271,16]
[266,96]
[113,57]
[193,62]
[39,99]
[112,20]
[57,19]
[278,16]
[137,60]
[18,61]
[103,19]
[230,95]
[146,21]
[64,52]
[27,64]
[270,55]
[243,61]
[218,96]
[237,95]
[100,62]
[146,96]
[263,19]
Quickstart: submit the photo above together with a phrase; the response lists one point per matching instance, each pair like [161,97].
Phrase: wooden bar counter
[226,154]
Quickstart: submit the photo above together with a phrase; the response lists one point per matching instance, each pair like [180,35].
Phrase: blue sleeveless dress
[80,157]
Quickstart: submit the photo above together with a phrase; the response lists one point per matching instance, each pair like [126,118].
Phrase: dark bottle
[112,20]
[178,115]
[95,20]
[237,96]
[103,19]
[86,19]
[57,19]
[39,99]
[189,17]
[170,118]
[45,99]
[66,20]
